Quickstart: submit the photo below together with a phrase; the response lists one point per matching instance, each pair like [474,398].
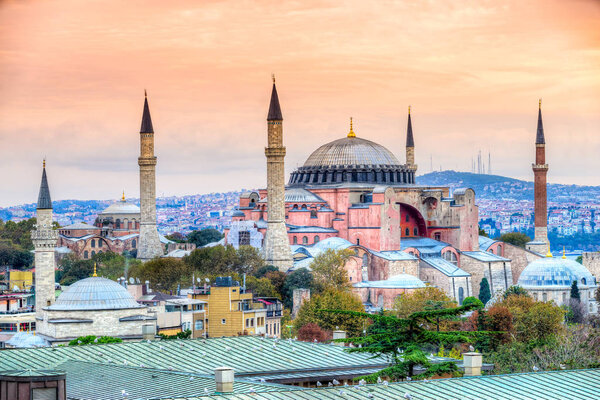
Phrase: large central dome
[352,160]
[351,151]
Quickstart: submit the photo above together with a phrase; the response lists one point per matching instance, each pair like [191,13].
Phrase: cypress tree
[575,291]
[484,291]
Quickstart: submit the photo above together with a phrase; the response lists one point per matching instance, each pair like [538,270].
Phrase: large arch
[412,223]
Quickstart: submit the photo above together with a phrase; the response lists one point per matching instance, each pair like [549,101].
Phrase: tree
[534,321]
[329,272]
[575,291]
[277,278]
[404,341]
[264,270]
[299,279]
[515,291]
[597,294]
[312,332]
[91,339]
[578,311]
[515,238]
[482,232]
[261,287]
[484,291]
[164,274]
[224,260]
[177,237]
[419,300]
[473,300]
[204,236]
[310,312]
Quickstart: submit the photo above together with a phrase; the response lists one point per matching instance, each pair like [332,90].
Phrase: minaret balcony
[539,167]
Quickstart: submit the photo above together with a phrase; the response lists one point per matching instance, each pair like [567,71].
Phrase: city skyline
[73,86]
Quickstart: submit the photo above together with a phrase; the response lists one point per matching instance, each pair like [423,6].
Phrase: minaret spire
[276,247]
[410,150]
[540,139]
[44,202]
[146,120]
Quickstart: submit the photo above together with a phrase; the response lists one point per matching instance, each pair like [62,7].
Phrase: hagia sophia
[350,193]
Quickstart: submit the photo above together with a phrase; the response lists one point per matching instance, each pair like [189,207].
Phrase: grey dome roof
[351,151]
[554,271]
[94,293]
[121,207]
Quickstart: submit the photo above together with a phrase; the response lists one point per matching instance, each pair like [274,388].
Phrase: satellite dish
[137,280]
[207,280]
[131,280]
[198,280]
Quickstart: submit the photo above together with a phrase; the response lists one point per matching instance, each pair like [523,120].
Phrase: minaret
[277,244]
[410,150]
[540,243]
[44,239]
[149,244]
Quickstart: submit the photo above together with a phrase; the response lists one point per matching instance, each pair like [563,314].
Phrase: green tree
[484,291]
[164,274]
[204,236]
[420,300]
[71,269]
[261,287]
[579,259]
[482,232]
[404,341]
[575,291]
[299,279]
[277,278]
[177,237]
[515,291]
[515,238]
[329,272]
[91,339]
[224,260]
[264,270]
[310,312]
[473,300]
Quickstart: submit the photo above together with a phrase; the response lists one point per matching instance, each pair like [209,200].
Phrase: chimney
[146,288]
[337,334]
[148,331]
[472,362]
[224,379]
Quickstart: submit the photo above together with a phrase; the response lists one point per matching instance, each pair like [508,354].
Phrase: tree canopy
[484,291]
[329,272]
[299,279]
[204,236]
[515,238]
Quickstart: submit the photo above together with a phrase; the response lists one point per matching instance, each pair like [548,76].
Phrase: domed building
[94,306]
[550,279]
[357,190]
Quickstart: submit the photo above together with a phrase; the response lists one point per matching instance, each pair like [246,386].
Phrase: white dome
[94,293]
[557,272]
[121,207]
[351,151]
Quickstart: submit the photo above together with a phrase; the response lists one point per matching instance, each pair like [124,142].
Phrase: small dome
[555,271]
[121,207]
[351,151]
[94,293]
[238,213]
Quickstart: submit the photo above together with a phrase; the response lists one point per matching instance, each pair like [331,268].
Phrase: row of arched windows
[316,239]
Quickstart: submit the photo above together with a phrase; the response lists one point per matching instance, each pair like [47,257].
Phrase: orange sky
[72,75]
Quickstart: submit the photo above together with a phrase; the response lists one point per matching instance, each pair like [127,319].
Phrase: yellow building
[230,310]
[20,279]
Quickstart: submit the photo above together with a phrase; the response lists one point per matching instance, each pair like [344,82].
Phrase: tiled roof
[554,385]
[445,266]
[394,255]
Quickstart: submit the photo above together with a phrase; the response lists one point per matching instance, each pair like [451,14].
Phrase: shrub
[312,332]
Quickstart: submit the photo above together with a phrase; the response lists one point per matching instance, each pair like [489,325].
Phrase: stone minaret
[149,245]
[44,239]
[277,244]
[410,145]
[540,243]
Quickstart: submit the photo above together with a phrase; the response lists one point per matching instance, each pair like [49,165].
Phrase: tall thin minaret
[410,144]
[277,244]
[149,245]
[540,243]
[44,239]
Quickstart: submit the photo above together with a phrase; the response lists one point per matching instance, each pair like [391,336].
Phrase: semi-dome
[554,271]
[352,159]
[94,293]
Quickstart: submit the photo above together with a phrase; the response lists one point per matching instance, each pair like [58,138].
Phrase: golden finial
[540,105]
[549,253]
[95,274]
[564,253]
[273,76]
[408,110]
[44,163]
[351,133]
[123,197]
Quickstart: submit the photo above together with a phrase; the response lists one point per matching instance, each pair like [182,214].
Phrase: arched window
[295,207]
[295,240]
[133,243]
[437,236]
[499,250]
[99,243]
[491,251]
[85,254]
[313,213]
[544,296]
[316,240]
[304,240]
[461,295]
[380,301]
[304,206]
[450,256]
[357,241]
[365,267]
[93,253]
[407,218]
[407,232]
[415,231]
[583,281]
[93,243]
[118,224]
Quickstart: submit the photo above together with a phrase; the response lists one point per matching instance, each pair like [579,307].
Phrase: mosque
[355,194]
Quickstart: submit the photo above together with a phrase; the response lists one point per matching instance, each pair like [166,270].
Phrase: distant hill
[501,187]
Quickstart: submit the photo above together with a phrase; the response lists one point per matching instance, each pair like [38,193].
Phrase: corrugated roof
[485,242]
[394,255]
[554,385]
[484,256]
[445,266]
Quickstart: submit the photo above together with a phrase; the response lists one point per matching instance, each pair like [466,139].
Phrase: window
[535,296]
[99,243]
[461,295]
[93,253]
[244,238]
[223,321]
[304,240]
[544,296]
[357,241]
[583,281]
[118,226]
[316,240]
[564,297]
[44,394]
[295,240]
[85,254]
[407,218]
[492,251]
[450,256]
[199,325]
[415,231]
[437,236]
[407,232]
[93,243]
[133,243]
[313,213]
[304,206]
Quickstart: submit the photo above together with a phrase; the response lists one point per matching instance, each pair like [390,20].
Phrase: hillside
[496,187]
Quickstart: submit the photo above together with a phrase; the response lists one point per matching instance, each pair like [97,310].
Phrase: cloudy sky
[73,73]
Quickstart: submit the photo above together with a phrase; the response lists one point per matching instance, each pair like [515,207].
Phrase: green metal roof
[555,385]
[94,381]
[247,355]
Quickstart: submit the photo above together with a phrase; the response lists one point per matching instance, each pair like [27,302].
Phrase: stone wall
[450,285]
[498,273]
[592,262]
[520,258]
